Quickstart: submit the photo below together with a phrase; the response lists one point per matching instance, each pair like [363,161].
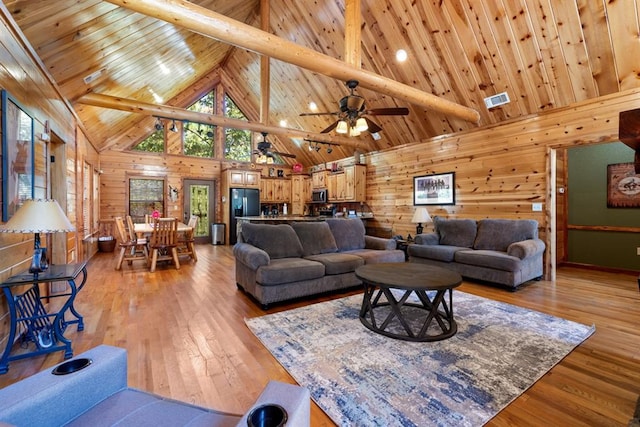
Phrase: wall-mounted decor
[623,186]
[17,156]
[436,189]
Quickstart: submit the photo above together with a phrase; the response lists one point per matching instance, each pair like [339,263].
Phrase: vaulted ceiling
[544,53]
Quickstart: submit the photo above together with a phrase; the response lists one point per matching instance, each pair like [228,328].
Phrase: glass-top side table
[45,330]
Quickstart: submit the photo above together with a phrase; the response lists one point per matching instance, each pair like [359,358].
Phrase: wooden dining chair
[186,241]
[163,243]
[142,243]
[130,249]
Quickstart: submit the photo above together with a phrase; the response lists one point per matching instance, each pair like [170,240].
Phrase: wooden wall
[500,170]
[117,166]
[21,75]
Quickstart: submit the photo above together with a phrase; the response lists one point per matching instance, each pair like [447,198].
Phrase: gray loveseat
[282,262]
[97,395]
[502,251]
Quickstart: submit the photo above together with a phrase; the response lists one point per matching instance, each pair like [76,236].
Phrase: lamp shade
[421,215]
[38,216]
[361,124]
[342,127]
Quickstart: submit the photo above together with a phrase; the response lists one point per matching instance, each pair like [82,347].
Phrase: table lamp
[419,216]
[38,216]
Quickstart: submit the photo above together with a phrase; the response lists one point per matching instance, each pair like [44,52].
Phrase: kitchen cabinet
[275,190]
[348,185]
[300,193]
[319,179]
[355,184]
[242,178]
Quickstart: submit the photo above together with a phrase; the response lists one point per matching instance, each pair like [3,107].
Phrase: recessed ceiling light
[313,106]
[401,55]
[283,123]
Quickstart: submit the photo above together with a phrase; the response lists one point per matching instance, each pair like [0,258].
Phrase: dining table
[144,230]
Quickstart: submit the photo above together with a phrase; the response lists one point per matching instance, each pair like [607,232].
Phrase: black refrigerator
[244,202]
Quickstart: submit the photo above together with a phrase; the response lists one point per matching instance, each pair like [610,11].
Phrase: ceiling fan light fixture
[361,124]
[354,132]
[342,127]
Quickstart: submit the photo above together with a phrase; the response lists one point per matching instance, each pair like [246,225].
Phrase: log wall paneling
[22,76]
[500,170]
[117,164]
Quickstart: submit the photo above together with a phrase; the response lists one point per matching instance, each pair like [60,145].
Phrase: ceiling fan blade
[281,154]
[334,113]
[330,128]
[399,111]
[373,126]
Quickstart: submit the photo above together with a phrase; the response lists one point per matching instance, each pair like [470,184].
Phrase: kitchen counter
[280,218]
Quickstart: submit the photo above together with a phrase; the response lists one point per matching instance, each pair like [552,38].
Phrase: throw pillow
[348,233]
[279,241]
[456,232]
[315,237]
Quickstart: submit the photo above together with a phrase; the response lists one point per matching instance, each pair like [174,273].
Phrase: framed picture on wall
[623,186]
[436,189]
[17,156]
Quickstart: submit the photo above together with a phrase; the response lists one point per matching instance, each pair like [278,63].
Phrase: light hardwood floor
[186,338]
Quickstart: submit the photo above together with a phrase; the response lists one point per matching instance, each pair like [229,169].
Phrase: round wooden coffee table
[428,319]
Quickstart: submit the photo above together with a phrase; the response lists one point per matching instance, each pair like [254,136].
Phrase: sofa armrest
[427,239]
[379,243]
[526,248]
[45,399]
[294,399]
[250,255]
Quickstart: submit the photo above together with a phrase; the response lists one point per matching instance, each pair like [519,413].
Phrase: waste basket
[217,233]
[106,244]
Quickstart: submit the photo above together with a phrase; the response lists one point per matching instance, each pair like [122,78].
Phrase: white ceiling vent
[496,100]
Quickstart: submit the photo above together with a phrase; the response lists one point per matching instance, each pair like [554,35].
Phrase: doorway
[199,200]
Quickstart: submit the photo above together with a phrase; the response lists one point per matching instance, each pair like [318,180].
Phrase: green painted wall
[587,196]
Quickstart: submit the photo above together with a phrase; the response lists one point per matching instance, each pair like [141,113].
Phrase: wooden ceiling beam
[169,112]
[219,27]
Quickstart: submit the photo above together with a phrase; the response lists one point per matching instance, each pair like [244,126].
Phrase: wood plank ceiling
[544,53]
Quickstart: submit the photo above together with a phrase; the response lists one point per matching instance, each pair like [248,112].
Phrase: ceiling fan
[266,154]
[352,118]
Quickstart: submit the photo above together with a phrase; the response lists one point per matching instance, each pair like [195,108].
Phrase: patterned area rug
[361,378]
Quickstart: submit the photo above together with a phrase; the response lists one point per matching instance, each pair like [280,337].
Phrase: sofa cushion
[315,237]
[348,233]
[456,232]
[279,241]
[337,263]
[489,259]
[374,256]
[287,270]
[498,234]
[436,252]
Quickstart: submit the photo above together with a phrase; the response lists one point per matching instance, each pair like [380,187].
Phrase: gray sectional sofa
[503,251]
[286,261]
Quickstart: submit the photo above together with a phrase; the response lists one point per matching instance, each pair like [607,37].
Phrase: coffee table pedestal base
[429,320]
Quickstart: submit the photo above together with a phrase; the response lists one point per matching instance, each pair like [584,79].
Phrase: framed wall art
[436,189]
[623,186]
[17,156]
